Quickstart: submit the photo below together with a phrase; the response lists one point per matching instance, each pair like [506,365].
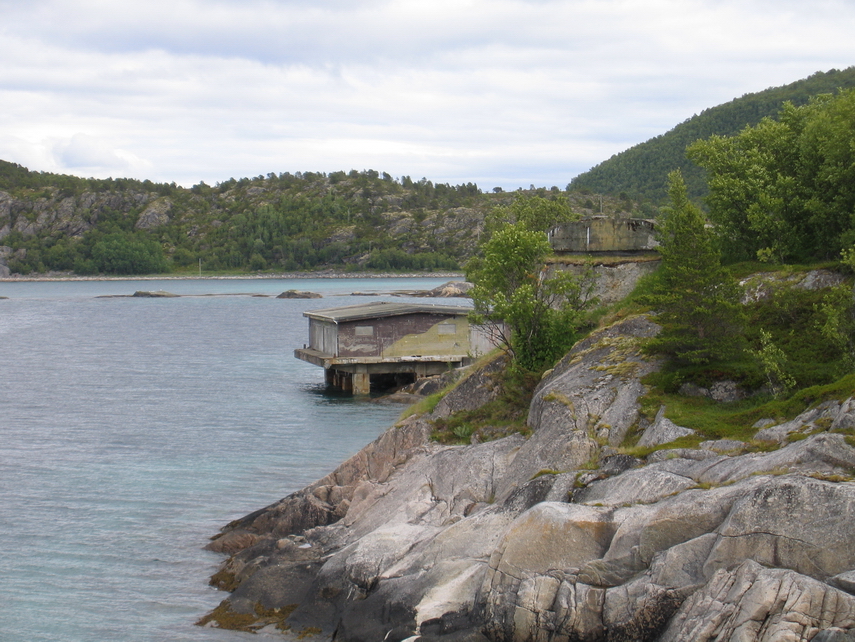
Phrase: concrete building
[595,234]
[390,343]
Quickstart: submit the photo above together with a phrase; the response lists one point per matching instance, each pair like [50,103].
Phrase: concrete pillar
[361,383]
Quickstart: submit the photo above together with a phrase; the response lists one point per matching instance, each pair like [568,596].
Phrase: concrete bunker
[386,344]
[594,234]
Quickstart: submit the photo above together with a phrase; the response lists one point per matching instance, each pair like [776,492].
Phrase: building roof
[377,309]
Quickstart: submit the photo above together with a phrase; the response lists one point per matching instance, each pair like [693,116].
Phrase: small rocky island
[559,536]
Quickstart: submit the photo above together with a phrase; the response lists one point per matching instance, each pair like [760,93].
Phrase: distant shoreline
[240,277]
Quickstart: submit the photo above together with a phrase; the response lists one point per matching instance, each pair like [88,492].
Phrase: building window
[364,331]
[447,328]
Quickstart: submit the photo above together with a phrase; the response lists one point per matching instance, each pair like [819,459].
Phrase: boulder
[662,431]
[793,522]
[450,289]
[596,386]
[820,417]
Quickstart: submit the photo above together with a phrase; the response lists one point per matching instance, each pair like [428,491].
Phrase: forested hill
[360,220]
[640,172]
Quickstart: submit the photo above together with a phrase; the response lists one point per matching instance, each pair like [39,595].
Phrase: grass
[493,420]
[498,418]
[607,260]
[714,420]
[425,405]
[745,269]
[429,403]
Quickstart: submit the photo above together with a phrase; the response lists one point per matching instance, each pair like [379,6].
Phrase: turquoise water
[134,428]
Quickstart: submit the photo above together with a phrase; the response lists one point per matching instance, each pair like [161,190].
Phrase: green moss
[823,423]
[830,477]
[224,618]
[545,471]
[553,396]
[424,406]
[224,580]
[498,418]
[714,420]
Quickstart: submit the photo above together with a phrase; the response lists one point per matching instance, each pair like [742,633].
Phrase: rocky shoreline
[561,536]
[240,277]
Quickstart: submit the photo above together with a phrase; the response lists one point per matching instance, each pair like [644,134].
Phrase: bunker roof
[377,309]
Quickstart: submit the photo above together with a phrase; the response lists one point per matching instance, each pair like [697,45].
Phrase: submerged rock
[298,294]
[156,294]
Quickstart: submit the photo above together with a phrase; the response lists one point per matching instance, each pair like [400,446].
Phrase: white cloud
[82,151]
[507,92]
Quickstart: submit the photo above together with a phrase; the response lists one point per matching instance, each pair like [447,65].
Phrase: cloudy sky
[499,92]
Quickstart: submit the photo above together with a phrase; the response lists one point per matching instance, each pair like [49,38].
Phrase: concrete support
[361,383]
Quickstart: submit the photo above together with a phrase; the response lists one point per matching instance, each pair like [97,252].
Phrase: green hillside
[357,220]
[641,171]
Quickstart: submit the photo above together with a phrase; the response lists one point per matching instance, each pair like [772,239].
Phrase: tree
[697,301]
[535,213]
[784,190]
[535,317]
[121,253]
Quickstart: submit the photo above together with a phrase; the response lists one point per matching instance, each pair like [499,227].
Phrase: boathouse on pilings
[389,344]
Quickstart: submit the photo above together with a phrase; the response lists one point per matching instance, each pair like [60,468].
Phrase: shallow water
[134,428]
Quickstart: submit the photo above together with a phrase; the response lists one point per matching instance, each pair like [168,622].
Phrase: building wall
[404,335]
[604,234]
[323,336]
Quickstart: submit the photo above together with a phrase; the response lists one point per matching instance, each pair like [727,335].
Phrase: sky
[502,93]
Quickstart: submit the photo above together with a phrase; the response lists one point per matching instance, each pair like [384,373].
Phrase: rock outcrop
[299,294]
[55,212]
[758,287]
[559,536]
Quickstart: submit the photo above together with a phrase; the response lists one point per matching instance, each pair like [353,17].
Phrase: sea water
[132,429]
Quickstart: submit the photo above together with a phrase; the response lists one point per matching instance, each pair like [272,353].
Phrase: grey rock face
[760,286]
[751,602]
[451,289]
[614,282]
[157,213]
[596,387]
[473,392]
[557,537]
[823,416]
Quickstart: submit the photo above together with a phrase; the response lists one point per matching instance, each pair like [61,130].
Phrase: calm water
[132,429]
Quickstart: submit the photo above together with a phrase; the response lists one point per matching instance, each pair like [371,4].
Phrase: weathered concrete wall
[604,234]
[404,335]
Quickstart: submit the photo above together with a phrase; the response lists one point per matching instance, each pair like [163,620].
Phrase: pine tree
[697,300]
